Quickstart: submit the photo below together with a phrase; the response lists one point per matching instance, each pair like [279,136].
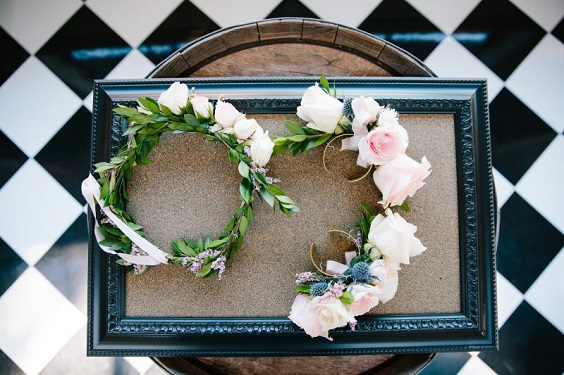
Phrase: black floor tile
[401,24]
[83,49]
[8,367]
[11,159]
[499,34]
[528,344]
[13,55]
[67,155]
[527,243]
[446,363]
[11,267]
[519,136]
[291,8]
[559,30]
[184,24]
[64,265]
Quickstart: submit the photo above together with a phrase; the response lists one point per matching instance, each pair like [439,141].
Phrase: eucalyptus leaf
[243,169]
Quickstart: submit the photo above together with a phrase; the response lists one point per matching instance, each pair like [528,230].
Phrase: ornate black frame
[111,333]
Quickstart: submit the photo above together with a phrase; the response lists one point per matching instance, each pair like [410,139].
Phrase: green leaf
[325,83]
[347,297]
[200,245]
[150,104]
[217,243]
[132,129]
[134,226]
[243,169]
[274,189]
[102,167]
[184,248]
[294,127]
[245,189]
[285,199]
[405,206]
[304,288]
[166,110]
[268,198]
[126,111]
[279,149]
[180,126]
[191,120]
[322,140]
[243,225]
[233,155]
[204,271]
[298,138]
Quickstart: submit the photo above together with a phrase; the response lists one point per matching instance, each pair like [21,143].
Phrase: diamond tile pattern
[53,50]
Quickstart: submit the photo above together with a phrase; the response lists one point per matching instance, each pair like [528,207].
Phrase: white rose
[175,98]
[394,237]
[365,111]
[399,178]
[365,298]
[226,114]
[261,149]
[331,313]
[387,283]
[244,128]
[321,110]
[202,106]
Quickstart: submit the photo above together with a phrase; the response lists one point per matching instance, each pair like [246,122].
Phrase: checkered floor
[54,49]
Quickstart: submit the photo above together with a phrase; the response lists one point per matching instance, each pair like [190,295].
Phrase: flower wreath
[332,298]
[178,110]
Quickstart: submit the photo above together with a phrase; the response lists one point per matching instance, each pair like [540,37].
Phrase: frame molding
[111,333]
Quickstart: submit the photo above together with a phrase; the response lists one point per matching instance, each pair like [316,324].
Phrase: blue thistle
[318,289]
[347,107]
[361,272]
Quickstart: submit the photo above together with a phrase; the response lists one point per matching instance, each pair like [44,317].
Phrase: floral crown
[179,110]
[332,297]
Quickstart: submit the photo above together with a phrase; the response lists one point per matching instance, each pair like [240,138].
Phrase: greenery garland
[179,112]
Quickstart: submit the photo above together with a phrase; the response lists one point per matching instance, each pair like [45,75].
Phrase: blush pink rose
[399,178]
[380,145]
[365,298]
[303,317]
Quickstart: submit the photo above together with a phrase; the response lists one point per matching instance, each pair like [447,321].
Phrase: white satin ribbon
[91,192]
[337,268]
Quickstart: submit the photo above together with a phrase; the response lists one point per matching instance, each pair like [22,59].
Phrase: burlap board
[191,189]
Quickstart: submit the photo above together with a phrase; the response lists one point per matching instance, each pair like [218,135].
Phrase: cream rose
[302,316]
[380,145]
[225,114]
[365,298]
[261,149]
[321,110]
[202,106]
[399,178]
[244,128]
[175,98]
[394,237]
[331,313]
[387,283]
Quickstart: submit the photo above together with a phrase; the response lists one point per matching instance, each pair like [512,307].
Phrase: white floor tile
[36,211]
[508,299]
[37,321]
[133,66]
[445,14]
[33,22]
[342,12]
[35,86]
[475,366]
[134,22]
[503,188]
[543,183]
[451,60]
[88,102]
[141,364]
[230,13]
[546,13]
[539,81]
[546,295]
